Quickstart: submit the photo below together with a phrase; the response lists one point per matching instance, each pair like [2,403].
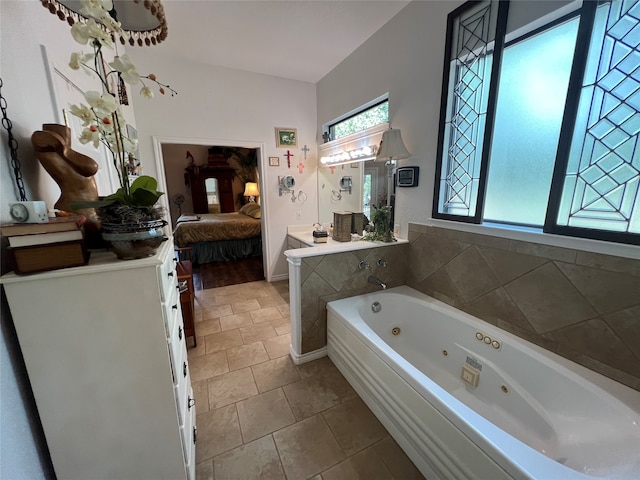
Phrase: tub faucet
[376,281]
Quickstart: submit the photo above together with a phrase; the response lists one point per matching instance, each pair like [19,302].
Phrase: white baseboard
[277,278]
[300,358]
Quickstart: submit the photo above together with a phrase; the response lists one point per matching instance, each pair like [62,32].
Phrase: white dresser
[105,352]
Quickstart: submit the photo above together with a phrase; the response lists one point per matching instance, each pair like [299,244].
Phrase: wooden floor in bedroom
[221,274]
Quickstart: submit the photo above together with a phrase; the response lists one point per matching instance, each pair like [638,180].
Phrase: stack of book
[36,247]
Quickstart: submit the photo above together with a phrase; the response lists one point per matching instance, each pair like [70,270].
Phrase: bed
[215,237]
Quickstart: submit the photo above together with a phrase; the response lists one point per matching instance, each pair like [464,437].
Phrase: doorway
[171,171]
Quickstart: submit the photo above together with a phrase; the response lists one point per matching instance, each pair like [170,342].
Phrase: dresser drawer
[178,354]
[182,388]
[171,312]
[189,435]
[168,279]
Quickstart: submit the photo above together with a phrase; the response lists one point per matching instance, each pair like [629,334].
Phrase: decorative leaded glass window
[542,130]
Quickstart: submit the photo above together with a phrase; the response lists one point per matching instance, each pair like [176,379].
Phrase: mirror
[368,187]
[366,179]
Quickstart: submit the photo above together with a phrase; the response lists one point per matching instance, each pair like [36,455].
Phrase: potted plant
[380,227]
[130,218]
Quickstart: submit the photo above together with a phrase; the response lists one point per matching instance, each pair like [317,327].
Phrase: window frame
[586,12]
[329,128]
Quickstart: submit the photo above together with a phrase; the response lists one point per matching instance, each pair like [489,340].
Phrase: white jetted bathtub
[531,413]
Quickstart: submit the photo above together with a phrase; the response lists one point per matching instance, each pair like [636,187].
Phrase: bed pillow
[251,209]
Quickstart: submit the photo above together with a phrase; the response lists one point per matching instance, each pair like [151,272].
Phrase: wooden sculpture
[72,171]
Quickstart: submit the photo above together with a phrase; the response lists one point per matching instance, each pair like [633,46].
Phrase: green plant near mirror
[380,228]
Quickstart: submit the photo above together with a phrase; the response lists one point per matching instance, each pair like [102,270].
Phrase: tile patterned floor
[260,416]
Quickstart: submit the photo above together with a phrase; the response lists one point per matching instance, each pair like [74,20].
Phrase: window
[359,121]
[533,134]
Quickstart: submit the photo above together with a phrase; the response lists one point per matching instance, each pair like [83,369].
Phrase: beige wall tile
[545,251]
[497,306]
[595,339]
[471,274]
[548,299]
[608,292]
[507,265]
[609,263]
[335,269]
[626,324]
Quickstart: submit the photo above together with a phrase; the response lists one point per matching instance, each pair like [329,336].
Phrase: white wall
[404,58]
[231,107]
[24,26]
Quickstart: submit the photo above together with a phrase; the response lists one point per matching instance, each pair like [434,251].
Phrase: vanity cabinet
[105,352]
[196,178]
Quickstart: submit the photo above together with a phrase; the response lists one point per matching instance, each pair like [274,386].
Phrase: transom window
[541,128]
[368,117]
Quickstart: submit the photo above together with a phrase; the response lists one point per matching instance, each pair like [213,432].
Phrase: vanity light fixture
[358,155]
[251,191]
[391,149]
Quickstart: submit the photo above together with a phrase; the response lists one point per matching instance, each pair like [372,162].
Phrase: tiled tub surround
[326,276]
[583,306]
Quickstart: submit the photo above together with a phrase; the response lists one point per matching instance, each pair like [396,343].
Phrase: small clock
[19,212]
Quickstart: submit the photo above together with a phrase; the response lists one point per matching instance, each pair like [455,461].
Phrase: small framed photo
[274,161]
[286,137]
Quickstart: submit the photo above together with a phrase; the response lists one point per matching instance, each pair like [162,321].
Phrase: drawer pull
[179,333]
[184,369]
[191,402]
[170,274]
[175,306]
[195,434]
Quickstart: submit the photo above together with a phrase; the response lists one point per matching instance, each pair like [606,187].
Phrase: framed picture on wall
[274,161]
[286,137]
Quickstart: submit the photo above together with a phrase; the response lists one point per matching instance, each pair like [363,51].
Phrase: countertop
[304,234]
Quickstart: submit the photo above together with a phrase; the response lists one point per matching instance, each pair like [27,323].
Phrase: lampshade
[251,189]
[145,22]
[391,146]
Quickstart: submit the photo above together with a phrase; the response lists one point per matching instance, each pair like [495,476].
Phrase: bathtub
[532,414]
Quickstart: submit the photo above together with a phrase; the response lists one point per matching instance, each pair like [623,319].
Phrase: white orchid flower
[79,60]
[83,112]
[146,92]
[104,102]
[126,68]
[90,135]
[129,145]
[80,33]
